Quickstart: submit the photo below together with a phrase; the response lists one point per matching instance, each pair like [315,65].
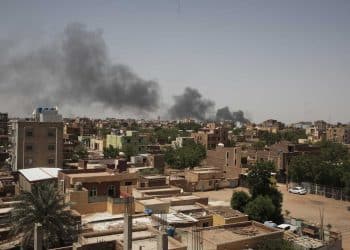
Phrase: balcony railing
[100,198]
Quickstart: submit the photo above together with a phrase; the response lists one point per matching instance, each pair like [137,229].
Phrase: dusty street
[301,206]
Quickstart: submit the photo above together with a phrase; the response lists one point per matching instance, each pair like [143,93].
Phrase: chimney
[38,236]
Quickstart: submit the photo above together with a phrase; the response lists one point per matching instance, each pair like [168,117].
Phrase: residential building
[131,138]
[97,190]
[36,144]
[272,126]
[29,177]
[211,136]
[243,235]
[45,114]
[339,134]
[3,129]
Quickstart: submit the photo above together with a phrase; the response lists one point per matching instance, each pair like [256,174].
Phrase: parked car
[297,190]
[288,227]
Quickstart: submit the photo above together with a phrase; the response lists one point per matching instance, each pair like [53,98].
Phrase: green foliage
[260,184]
[188,126]
[44,205]
[278,244]
[167,134]
[129,150]
[259,145]
[260,209]
[110,152]
[259,178]
[80,152]
[239,200]
[269,138]
[330,168]
[187,156]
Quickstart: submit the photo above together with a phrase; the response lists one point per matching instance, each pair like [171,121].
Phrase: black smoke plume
[74,69]
[191,104]
[224,114]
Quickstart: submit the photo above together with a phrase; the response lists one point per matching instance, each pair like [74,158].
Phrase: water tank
[170,231]
[148,211]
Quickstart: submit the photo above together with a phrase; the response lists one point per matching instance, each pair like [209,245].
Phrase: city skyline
[287,61]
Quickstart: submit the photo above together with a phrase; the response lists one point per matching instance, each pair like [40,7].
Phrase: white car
[297,190]
[288,227]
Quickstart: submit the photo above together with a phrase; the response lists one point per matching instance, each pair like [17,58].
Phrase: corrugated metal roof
[37,174]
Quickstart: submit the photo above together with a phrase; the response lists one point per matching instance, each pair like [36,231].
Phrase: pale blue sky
[288,60]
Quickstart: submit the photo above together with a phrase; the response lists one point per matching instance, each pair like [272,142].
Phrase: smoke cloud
[75,69]
[224,114]
[191,104]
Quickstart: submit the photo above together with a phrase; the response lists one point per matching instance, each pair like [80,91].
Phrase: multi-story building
[272,126]
[36,143]
[3,129]
[130,138]
[211,136]
[340,134]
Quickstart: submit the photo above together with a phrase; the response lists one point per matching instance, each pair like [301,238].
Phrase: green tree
[259,178]
[260,184]
[79,152]
[44,205]
[129,150]
[239,200]
[188,156]
[110,152]
[260,209]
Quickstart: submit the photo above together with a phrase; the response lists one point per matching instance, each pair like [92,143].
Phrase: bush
[239,200]
[260,209]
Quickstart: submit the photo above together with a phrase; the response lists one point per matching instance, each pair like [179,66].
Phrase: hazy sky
[288,60]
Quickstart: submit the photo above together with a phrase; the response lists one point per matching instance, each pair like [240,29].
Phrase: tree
[44,205]
[129,150]
[239,200]
[260,209]
[187,156]
[110,152]
[80,152]
[260,184]
[259,178]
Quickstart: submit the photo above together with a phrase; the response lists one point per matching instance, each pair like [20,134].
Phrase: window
[93,191]
[111,190]
[128,183]
[29,147]
[51,132]
[29,133]
[51,161]
[51,147]
[128,140]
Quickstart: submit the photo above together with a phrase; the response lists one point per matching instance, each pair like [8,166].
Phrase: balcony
[99,198]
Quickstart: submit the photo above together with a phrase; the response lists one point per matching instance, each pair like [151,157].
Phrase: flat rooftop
[225,212]
[153,202]
[236,232]
[38,174]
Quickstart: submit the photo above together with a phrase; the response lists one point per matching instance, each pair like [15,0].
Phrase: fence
[329,192]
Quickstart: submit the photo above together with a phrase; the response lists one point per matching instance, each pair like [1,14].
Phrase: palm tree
[44,205]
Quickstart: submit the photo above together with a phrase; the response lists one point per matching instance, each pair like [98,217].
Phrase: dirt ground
[301,206]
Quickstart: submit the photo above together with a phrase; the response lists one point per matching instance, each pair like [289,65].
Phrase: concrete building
[97,190]
[36,144]
[130,138]
[237,236]
[27,178]
[272,126]
[97,144]
[340,134]
[45,114]
[3,129]
[211,136]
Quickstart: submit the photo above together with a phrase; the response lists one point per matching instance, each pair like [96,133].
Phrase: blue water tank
[170,231]
[148,211]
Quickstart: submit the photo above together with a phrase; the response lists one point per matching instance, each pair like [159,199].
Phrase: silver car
[297,190]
